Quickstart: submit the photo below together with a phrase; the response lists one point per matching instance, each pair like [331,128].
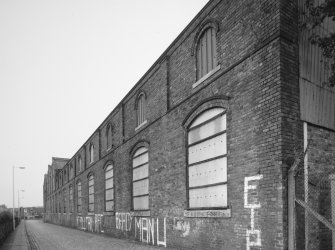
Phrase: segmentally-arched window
[109,188]
[71,199]
[64,201]
[109,137]
[79,163]
[207,160]
[141,179]
[79,196]
[71,171]
[140,109]
[91,153]
[91,193]
[59,201]
[206,52]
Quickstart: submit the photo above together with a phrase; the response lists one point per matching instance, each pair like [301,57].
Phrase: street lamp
[14,197]
[18,203]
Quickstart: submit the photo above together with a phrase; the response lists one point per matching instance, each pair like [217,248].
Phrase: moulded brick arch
[90,174]
[109,126]
[109,162]
[138,95]
[212,102]
[209,23]
[139,144]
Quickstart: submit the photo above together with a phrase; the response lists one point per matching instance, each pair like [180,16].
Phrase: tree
[315,17]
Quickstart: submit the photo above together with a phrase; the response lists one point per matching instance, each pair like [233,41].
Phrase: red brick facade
[257,85]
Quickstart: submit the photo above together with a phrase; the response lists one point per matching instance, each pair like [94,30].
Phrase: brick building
[196,155]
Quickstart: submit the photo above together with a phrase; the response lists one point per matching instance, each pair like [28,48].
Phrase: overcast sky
[64,65]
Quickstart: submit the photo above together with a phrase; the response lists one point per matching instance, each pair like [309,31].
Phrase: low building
[197,154]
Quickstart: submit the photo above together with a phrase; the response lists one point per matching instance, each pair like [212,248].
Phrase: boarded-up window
[91,153]
[109,188]
[59,202]
[79,163]
[206,52]
[91,193]
[64,200]
[207,160]
[71,171]
[79,197]
[141,179]
[109,137]
[71,198]
[140,109]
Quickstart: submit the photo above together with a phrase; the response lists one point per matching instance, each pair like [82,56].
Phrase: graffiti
[181,225]
[208,213]
[123,221]
[98,218]
[144,228]
[253,235]
[91,224]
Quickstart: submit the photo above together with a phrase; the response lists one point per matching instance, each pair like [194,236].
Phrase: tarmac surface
[35,234]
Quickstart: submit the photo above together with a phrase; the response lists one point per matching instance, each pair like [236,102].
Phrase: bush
[6,225]
[5,216]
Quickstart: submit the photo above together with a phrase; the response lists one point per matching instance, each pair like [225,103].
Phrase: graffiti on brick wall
[181,225]
[148,230]
[253,235]
[91,223]
[123,221]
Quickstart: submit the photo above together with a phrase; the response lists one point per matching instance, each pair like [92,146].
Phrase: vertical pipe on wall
[291,209]
[306,183]
[332,195]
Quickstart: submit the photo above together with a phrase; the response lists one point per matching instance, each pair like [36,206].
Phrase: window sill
[141,213]
[202,79]
[90,213]
[223,213]
[141,125]
[108,213]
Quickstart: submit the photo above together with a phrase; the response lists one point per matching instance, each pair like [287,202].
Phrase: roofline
[160,58]
[60,159]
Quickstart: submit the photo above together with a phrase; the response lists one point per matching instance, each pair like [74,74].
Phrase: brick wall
[257,84]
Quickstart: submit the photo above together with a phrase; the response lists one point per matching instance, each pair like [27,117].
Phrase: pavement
[36,235]
[18,239]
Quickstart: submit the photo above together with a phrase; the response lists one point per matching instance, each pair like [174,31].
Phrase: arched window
[140,109]
[91,153]
[59,201]
[109,137]
[79,196]
[71,199]
[91,193]
[207,160]
[64,200]
[206,52]
[141,179]
[79,163]
[109,188]
[65,175]
[71,171]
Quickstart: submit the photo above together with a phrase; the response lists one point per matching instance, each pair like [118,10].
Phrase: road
[45,236]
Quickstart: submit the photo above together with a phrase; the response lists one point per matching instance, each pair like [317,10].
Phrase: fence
[311,204]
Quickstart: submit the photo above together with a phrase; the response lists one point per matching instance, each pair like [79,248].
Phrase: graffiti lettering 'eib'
[253,235]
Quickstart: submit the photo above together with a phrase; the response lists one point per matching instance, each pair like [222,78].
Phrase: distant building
[196,155]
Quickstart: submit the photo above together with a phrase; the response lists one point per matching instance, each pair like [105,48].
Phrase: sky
[64,66]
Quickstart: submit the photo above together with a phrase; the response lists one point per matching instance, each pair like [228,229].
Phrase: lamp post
[18,203]
[14,197]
